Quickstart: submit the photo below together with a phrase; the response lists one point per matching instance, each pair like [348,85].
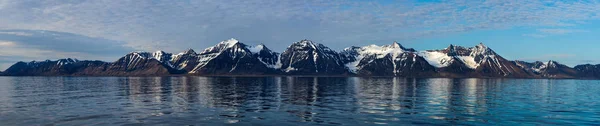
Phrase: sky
[563,30]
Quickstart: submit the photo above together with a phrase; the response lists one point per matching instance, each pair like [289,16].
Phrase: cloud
[15,33]
[560,31]
[588,61]
[38,45]
[545,32]
[61,41]
[535,35]
[177,25]
[563,58]
[549,57]
[7,44]
[560,55]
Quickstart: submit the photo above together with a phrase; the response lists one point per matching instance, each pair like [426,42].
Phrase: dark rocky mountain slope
[306,57]
[388,60]
[309,58]
[588,71]
[232,57]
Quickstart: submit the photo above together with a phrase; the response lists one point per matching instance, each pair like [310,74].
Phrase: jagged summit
[482,49]
[189,51]
[479,59]
[372,59]
[66,61]
[306,44]
[481,45]
[229,42]
[450,47]
[223,45]
[161,56]
[307,56]
[396,45]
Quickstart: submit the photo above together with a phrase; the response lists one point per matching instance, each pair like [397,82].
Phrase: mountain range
[306,57]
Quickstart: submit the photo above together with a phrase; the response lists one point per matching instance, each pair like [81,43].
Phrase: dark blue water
[296,101]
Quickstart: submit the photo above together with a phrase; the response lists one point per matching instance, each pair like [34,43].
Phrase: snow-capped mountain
[234,57]
[387,60]
[59,67]
[550,69]
[479,60]
[62,62]
[308,57]
[266,56]
[185,61]
[227,57]
[231,57]
[39,67]
[139,62]
[588,70]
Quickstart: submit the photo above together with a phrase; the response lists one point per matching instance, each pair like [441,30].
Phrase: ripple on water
[296,101]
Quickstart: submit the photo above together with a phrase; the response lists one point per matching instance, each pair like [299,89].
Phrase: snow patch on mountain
[395,51]
[256,49]
[290,68]
[230,43]
[436,59]
[61,62]
[472,57]
[277,65]
[540,68]
[469,61]
[380,51]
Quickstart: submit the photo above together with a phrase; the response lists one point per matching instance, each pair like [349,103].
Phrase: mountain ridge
[305,57]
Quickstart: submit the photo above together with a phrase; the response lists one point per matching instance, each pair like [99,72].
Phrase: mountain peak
[159,52]
[451,46]
[481,45]
[70,59]
[306,42]
[189,51]
[552,63]
[455,50]
[481,49]
[66,61]
[230,42]
[223,45]
[396,45]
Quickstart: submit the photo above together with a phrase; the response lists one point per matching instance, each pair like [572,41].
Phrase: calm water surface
[296,101]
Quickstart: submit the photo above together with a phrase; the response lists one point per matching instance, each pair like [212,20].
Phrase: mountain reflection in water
[295,101]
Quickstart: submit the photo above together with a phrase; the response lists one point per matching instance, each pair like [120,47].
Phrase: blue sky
[565,31]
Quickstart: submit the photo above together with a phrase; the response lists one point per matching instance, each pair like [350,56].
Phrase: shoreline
[425,77]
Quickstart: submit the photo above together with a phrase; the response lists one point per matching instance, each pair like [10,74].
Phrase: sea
[283,101]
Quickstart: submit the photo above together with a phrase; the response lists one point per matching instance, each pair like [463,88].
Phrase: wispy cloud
[560,31]
[535,35]
[7,44]
[549,57]
[15,33]
[30,45]
[176,25]
[545,32]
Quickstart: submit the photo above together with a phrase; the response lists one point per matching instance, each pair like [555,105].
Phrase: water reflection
[294,101]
